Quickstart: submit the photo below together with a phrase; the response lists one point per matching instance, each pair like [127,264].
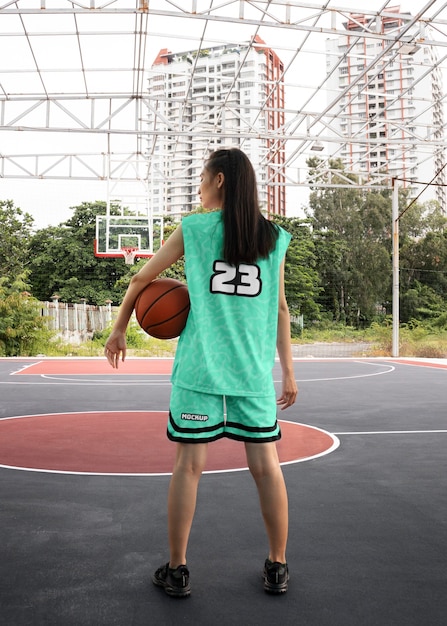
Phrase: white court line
[55,380]
[334,446]
[25,367]
[110,381]
[75,383]
[391,432]
[390,368]
[58,380]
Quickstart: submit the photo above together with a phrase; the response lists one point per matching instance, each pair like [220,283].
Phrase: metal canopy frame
[73,79]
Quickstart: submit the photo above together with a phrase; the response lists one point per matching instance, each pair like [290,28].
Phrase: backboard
[127,236]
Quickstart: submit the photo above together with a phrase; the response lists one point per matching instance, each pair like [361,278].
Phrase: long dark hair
[248,235]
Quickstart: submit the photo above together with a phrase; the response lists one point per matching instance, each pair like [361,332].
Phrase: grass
[414,341]
[138,344]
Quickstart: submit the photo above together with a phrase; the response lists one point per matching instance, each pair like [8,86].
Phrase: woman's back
[229,342]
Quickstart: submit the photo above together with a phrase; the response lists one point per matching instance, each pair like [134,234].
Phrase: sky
[49,201]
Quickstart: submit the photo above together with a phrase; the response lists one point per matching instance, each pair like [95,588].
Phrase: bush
[23,332]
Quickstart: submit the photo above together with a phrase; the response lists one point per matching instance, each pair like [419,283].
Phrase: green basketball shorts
[196,417]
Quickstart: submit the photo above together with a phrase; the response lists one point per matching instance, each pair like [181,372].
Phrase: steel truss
[100,98]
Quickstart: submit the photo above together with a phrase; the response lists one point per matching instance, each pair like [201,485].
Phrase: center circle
[130,443]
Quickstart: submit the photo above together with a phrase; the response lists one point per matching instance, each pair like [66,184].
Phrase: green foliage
[417,339]
[423,268]
[421,302]
[15,235]
[177,269]
[338,265]
[440,322]
[300,275]
[135,336]
[138,344]
[23,331]
[352,233]
[64,263]
[325,331]
[353,243]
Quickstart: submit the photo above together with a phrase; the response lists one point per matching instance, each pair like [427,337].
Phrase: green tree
[177,269]
[352,230]
[23,331]
[301,278]
[63,261]
[423,264]
[15,236]
[420,302]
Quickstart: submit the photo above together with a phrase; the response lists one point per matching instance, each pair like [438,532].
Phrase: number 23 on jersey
[240,280]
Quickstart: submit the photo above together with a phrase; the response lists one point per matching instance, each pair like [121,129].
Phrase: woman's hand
[115,347]
[289,392]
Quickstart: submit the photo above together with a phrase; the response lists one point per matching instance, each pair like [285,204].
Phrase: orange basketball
[162,308]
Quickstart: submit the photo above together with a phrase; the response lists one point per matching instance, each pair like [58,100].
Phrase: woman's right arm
[170,252]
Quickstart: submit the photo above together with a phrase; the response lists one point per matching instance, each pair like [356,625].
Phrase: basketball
[162,308]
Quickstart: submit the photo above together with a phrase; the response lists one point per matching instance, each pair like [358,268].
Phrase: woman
[222,384]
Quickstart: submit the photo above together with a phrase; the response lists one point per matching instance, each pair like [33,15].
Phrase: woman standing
[222,384]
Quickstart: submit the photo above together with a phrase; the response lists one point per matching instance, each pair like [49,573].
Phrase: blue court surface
[84,468]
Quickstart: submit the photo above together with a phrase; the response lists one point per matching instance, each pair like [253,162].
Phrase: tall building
[201,100]
[400,98]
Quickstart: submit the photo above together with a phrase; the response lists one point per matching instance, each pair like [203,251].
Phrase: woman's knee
[191,458]
[262,460]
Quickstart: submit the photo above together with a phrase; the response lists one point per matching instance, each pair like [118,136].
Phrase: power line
[425,187]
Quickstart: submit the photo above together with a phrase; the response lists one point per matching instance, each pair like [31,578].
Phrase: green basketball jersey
[228,345]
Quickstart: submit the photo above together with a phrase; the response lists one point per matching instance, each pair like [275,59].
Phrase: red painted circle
[132,442]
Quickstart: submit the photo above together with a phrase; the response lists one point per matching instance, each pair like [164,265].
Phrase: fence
[76,322]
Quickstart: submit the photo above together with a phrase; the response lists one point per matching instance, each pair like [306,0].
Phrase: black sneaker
[174,581]
[276,577]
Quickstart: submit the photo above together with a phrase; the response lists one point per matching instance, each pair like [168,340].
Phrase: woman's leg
[262,459]
[189,464]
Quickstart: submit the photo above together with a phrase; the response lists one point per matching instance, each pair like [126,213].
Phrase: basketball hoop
[129,255]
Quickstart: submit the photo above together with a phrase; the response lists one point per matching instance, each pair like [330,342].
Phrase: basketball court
[85,464]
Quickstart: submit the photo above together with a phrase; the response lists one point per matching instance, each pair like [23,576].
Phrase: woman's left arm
[283,344]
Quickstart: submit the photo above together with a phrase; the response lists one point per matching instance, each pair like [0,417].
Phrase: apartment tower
[201,100]
[398,99]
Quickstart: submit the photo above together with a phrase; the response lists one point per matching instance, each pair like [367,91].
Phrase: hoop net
[129,255]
